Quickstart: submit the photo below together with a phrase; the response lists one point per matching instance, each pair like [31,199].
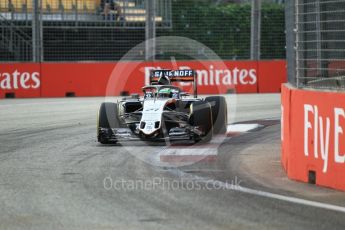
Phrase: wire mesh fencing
[15,43]
[85,13]
[105,30]
[320,43]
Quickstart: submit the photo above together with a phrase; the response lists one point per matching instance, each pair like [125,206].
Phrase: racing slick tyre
[219,114]
[201,116]
[107,119]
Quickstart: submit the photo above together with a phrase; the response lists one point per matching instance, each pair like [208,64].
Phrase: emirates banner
[104,79]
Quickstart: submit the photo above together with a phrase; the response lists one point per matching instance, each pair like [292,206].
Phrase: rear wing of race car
[174,76]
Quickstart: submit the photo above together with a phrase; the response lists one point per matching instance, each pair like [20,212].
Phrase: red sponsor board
[313,136]
[285,131]
[102,79]
[271,75]
[82,79]
[94,79]
[22,80]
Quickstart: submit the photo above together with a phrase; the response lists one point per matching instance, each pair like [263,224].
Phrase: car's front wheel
[219,114]
[201,116]
[107,120]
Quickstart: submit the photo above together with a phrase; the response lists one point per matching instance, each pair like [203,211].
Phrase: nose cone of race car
[152,116]
[149,127]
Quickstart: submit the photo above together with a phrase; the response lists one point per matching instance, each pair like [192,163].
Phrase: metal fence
[85,13]
[319,38]
[105,30]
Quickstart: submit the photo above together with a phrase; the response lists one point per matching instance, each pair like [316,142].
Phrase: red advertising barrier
[285,126]
[81,79]
[313,138]
[101,79]
[20,80]
[271,75]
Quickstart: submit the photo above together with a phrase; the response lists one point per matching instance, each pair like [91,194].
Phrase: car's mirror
[135,96]
[184,94]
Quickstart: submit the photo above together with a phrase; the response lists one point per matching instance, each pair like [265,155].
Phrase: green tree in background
[225,28]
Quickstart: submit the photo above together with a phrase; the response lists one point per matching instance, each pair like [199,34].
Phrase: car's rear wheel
[201,116]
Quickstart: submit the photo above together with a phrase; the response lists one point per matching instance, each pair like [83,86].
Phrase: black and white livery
[163,113]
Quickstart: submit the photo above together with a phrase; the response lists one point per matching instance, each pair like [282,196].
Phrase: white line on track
[290,199]
[242,128]
[270,195]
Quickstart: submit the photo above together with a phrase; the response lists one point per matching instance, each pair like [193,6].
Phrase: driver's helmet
[165,93]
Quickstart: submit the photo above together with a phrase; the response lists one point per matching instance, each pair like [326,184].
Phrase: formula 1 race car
[164,113]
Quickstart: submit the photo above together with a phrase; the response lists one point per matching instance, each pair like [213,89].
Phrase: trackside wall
[100,79]
[313,138]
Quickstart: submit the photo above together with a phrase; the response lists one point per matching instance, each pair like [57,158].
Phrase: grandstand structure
[106,30]
[128,13]
[76,30]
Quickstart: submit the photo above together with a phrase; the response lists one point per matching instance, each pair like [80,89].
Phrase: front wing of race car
[122,134]
[131,133]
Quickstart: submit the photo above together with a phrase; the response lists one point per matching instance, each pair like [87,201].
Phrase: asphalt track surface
[54,175]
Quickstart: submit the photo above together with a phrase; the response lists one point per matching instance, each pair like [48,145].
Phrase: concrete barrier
[313,138]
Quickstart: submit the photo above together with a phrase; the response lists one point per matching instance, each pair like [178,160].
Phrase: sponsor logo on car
[217,77]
